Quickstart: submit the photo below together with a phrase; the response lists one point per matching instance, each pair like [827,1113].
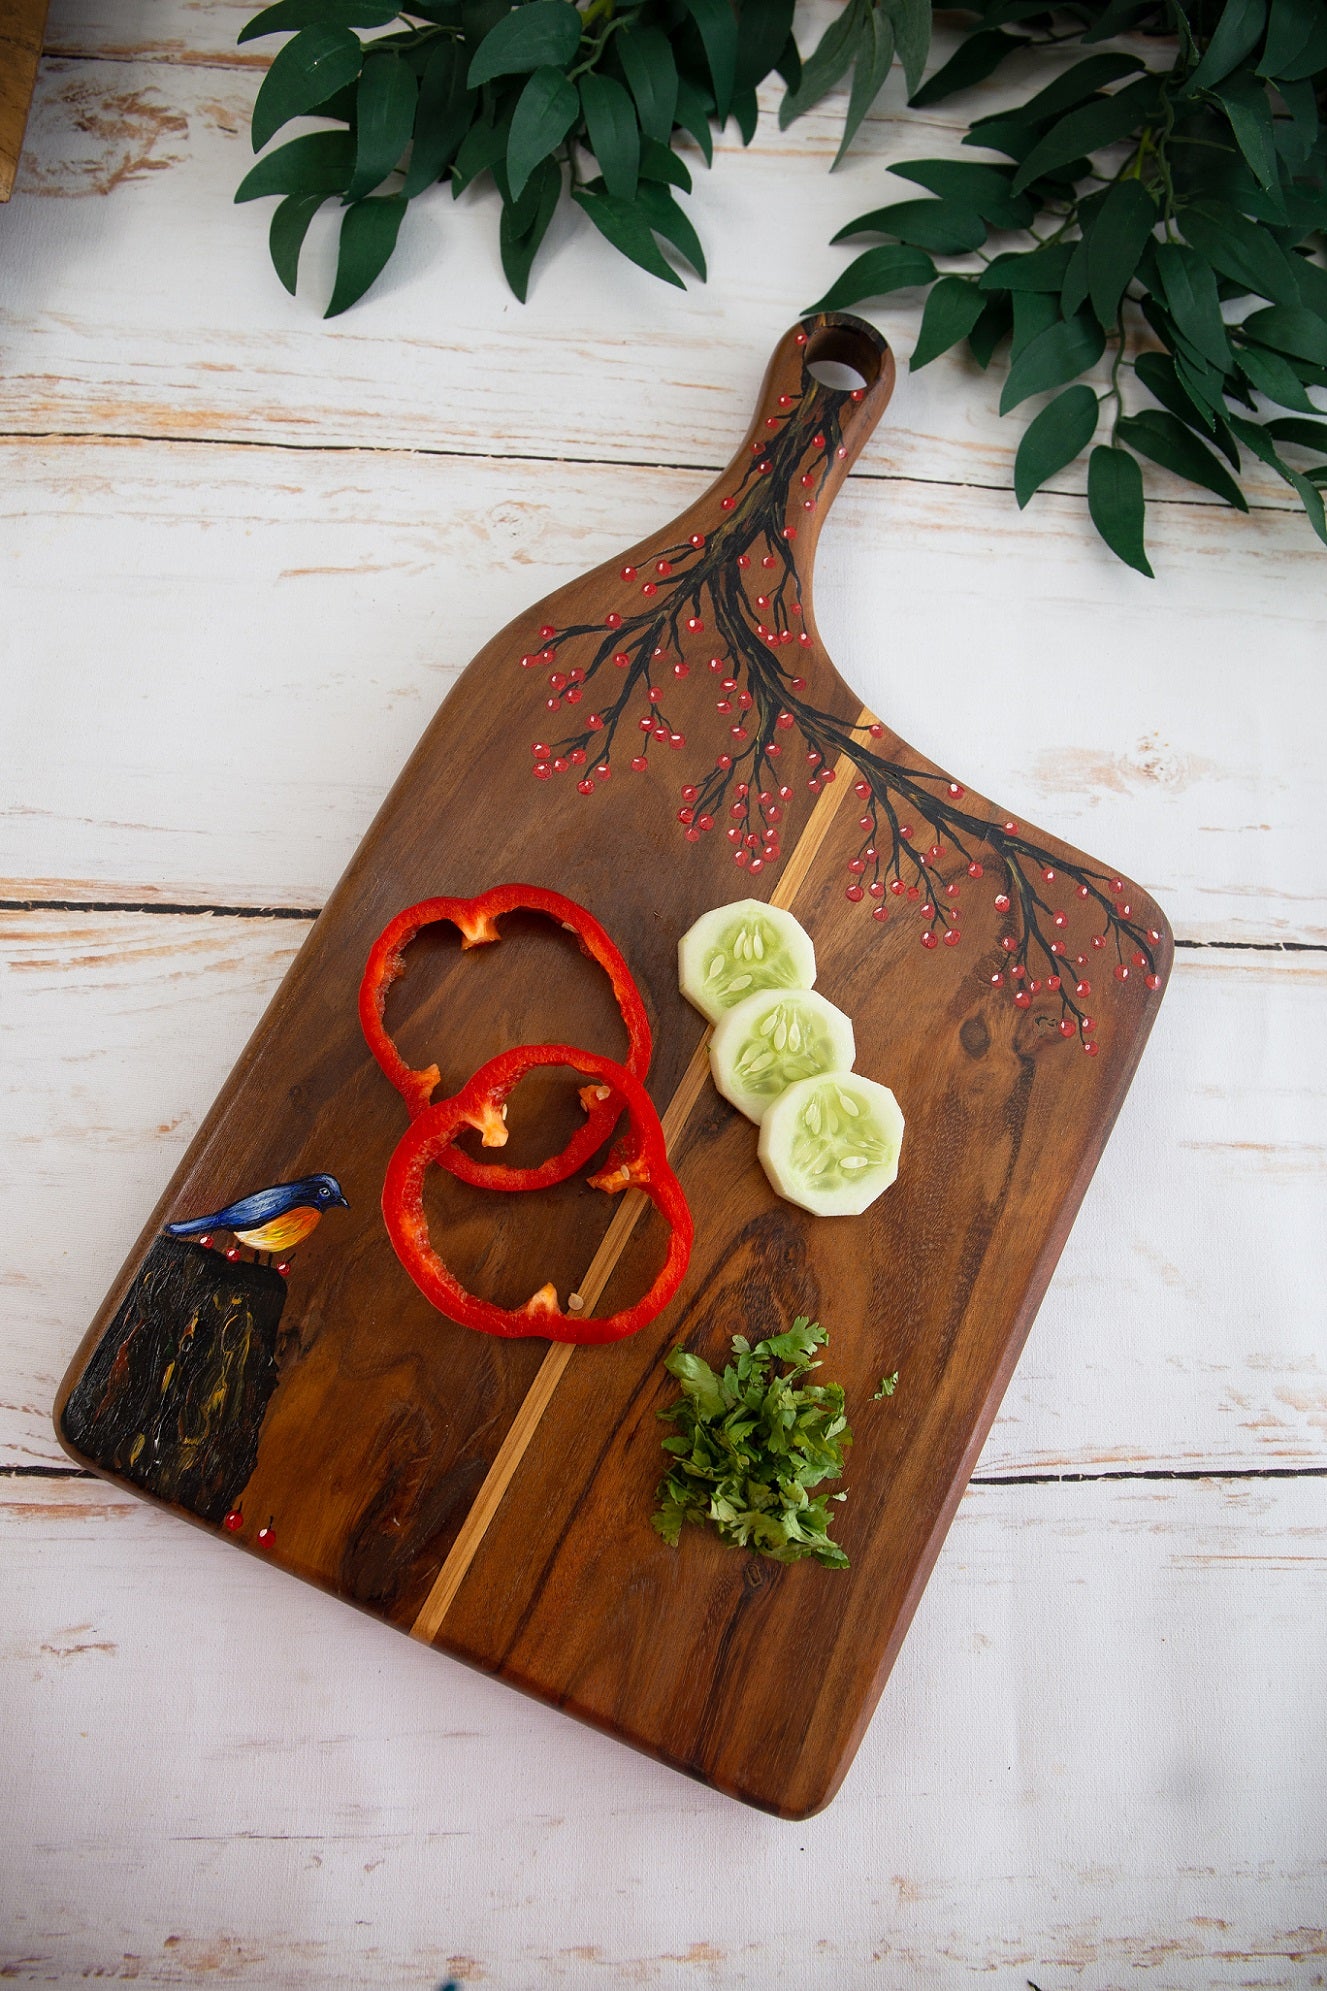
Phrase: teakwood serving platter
[662,736]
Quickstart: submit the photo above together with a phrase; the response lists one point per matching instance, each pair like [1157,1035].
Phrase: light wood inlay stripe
[674,1118]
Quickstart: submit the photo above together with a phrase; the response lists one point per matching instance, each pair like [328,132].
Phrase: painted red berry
[1121,972]
[266,1536]
[1068,1028]
[613,621]
[233,1522]
[928,939]
[974,870]
[639,764]
[854,892]
[232,1252]
[1152,981]
[1002,902]
[953,937]
[1023,999]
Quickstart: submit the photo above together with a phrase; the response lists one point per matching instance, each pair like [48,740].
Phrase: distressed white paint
[1100,1761]
[258,636]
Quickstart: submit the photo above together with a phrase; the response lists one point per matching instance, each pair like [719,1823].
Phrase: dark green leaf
[1235,34]
[953,306]
[941,226]
[1190,293]
[384,119]
[763,30]
[285,237]
[540,33]
[368,235]
[746,114]
[911,22]
[1121,228]
[1312,281]
[985,190]
[1055,356]
[657,162]
[525,223]
[1119,17]
[1296,140]
[1290,328]
[989,329]
[1062,431]
[1076,85]
[1035,311]
[483,149]
[875,54]
[1157,373]
[718,30]
[1176,448]
[1115,500]
[875,274]
[1035,269]
[1275,377]
[308,69]
[1245,104]
[441,118]
[1259,441]
[546,110]
[975,58]
[1010,134]
[626,225]
[1288,30]
[1073,294]
[319,163]
[1312,58]
[826,65]
[1304,435]
[610,123]
[1104,121]
[293,14]
[646,56]
[666,218]
[1249,255]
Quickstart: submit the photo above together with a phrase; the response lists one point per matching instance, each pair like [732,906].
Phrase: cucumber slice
[831,1144]
[773,1039]
[732,951]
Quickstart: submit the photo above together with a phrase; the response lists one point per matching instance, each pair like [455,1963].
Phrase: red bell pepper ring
[638,1161]
[476,921]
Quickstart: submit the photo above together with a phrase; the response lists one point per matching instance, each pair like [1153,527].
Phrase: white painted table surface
[243,555]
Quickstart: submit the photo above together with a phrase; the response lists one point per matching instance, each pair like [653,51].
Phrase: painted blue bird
[275,1219]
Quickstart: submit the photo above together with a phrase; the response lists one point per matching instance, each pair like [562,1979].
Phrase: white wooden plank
[218,658]
[139,300]
[1179,1331]
[1100,1755]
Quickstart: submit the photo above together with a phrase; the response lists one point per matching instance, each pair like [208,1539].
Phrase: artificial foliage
[1150,214]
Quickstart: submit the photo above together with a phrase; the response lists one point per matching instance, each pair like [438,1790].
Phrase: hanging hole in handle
[842,359]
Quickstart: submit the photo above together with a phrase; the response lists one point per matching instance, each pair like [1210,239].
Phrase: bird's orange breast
[282,1233]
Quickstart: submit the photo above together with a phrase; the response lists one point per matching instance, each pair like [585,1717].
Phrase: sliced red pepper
[638,1161]
[476,922]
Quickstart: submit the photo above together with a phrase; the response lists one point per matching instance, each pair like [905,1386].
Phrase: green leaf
[1157,373]
[1169,443]
[763,32]
[540,33]
[1121,229]
[718,31]
[1115,501]
[1275,377]
[666,218]
[442,118]
[746,114]
[384,119]
[989,329]
[953,306]
[646,56]
[524,224]
[1248,255]
[1033,269]
[368,235]
[911,22]
[1259,441]
[1304,435]
[658,162]
[483,149]
[1076,85]
[319,163]
[975,58]
[983,189]
[293,14]
[610,124]
[1190,293]
[1245,104]
[1288,30]
[1035,311]
[1081,132]
[826,65]
[945,229]
[285,237]
[545,111]
[693,115]
[875,274]
[1312,58]
[1119,17]
[875,55]
[626,225]
[308,69]
[1289,328]
[1055,356]
[1062,431]
[1235,34]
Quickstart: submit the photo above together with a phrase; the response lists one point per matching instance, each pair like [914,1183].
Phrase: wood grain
[21,24]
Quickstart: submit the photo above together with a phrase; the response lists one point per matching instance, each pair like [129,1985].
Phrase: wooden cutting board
[494,1498]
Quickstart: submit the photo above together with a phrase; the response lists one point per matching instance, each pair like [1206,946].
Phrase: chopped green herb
[749,1445]
[888,1385]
